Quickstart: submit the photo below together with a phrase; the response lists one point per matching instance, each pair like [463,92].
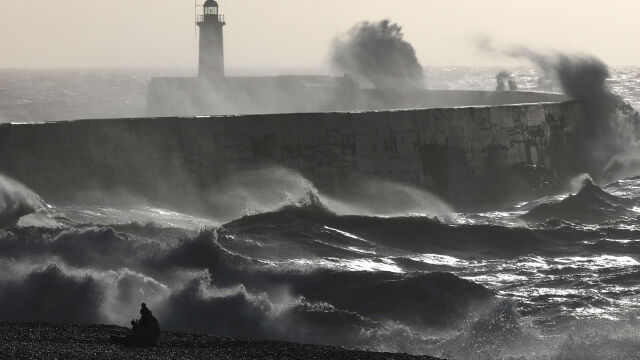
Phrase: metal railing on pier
[201,18]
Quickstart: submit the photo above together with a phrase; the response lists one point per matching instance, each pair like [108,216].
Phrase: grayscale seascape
[319,180]
[296,264]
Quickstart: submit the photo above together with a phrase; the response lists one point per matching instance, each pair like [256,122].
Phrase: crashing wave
[16,201]
[590,205]
[197,285]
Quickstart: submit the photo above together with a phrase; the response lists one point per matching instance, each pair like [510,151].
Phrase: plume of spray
[16,200]
[377,53]
[611,126]
[260,190]
[272,188]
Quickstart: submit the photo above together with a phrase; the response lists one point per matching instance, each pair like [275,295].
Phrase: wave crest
[16,201]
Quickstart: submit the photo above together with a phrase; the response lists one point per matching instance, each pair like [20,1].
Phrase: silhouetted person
[144,332]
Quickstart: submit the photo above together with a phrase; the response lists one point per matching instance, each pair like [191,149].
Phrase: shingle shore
[20,340]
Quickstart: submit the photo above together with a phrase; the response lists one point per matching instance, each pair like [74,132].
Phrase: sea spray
[16,200]
[271,188]
[611,128]
[259,190]
[377,53]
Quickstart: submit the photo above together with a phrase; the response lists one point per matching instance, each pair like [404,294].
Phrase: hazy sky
[285,33]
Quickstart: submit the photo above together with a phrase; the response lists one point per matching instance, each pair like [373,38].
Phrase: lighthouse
[211,61]
[212,92]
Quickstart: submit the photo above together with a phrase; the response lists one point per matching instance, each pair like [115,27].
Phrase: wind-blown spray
[376,52]
[611,126]
[16,200]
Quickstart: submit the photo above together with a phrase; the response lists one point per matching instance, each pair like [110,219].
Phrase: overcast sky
[298,33]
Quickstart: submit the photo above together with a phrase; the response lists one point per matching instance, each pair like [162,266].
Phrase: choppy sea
[551,278]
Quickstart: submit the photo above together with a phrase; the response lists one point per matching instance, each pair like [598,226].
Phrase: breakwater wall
[296,94]
[466,155]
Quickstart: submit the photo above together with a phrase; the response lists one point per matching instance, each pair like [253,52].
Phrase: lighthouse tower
[211,62]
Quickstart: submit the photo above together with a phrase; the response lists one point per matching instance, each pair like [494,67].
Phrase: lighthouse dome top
[210,9]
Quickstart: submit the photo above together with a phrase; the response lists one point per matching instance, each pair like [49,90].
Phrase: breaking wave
[590,205]
[92,274]
[544,279]
[16,201]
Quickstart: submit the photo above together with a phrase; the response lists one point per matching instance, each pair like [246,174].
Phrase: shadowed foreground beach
[54,341]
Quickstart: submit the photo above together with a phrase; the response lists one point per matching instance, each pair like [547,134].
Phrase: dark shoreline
[23,340]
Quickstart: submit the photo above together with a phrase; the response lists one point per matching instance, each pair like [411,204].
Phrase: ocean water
[551,278]
[68,94]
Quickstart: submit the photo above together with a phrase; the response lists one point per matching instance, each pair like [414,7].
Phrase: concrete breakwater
[466,155]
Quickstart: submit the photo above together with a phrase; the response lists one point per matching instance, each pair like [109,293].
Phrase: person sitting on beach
[145,331]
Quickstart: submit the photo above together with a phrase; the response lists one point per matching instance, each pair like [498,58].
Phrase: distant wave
[270,188]
[590,205]
[410,235]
